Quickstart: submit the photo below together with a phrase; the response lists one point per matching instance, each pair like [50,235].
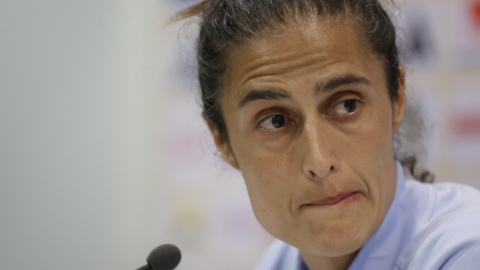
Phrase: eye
[273,122]
[345,107]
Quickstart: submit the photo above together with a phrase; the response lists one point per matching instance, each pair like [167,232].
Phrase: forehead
[299,47]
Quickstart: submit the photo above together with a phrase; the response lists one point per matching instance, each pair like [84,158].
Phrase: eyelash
[346,116]
[290,120]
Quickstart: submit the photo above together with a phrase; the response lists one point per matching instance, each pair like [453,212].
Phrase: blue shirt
[428,227]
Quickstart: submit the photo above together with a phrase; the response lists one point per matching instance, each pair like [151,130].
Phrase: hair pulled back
[228,23]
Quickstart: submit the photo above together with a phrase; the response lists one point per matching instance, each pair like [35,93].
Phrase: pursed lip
[344,196]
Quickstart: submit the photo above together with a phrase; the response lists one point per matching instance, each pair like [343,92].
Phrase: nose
[318,160]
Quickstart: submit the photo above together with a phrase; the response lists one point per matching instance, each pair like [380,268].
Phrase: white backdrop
[73,155]
[103,154]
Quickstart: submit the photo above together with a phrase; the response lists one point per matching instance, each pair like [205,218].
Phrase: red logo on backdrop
[467,125]
[475,8]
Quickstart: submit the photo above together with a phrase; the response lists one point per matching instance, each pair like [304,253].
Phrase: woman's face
[310,126]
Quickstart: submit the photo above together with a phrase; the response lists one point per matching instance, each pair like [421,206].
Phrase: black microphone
[164,257]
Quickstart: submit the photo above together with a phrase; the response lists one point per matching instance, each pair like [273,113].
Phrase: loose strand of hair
[190,12]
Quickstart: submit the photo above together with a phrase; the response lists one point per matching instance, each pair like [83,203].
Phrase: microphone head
[164,257]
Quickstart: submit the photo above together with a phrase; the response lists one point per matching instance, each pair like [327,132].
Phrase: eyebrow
[329,85]
[336,82]
[273,94]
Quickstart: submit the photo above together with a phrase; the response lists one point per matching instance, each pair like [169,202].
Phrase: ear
[222,145]
[400,105]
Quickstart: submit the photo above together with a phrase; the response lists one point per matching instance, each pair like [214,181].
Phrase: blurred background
[104,155]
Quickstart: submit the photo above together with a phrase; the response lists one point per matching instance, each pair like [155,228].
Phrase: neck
[329,263]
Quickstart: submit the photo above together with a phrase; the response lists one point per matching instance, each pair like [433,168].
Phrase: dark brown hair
[228,23]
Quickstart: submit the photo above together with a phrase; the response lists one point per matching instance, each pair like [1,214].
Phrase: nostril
[312,173]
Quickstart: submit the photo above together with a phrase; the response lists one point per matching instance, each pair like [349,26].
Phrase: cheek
[269,187]
[369,154]
[264,198]
[369,147]
[374,137]
[265,180]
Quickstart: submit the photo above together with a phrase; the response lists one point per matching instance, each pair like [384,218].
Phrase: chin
[337,248]
[335,244]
